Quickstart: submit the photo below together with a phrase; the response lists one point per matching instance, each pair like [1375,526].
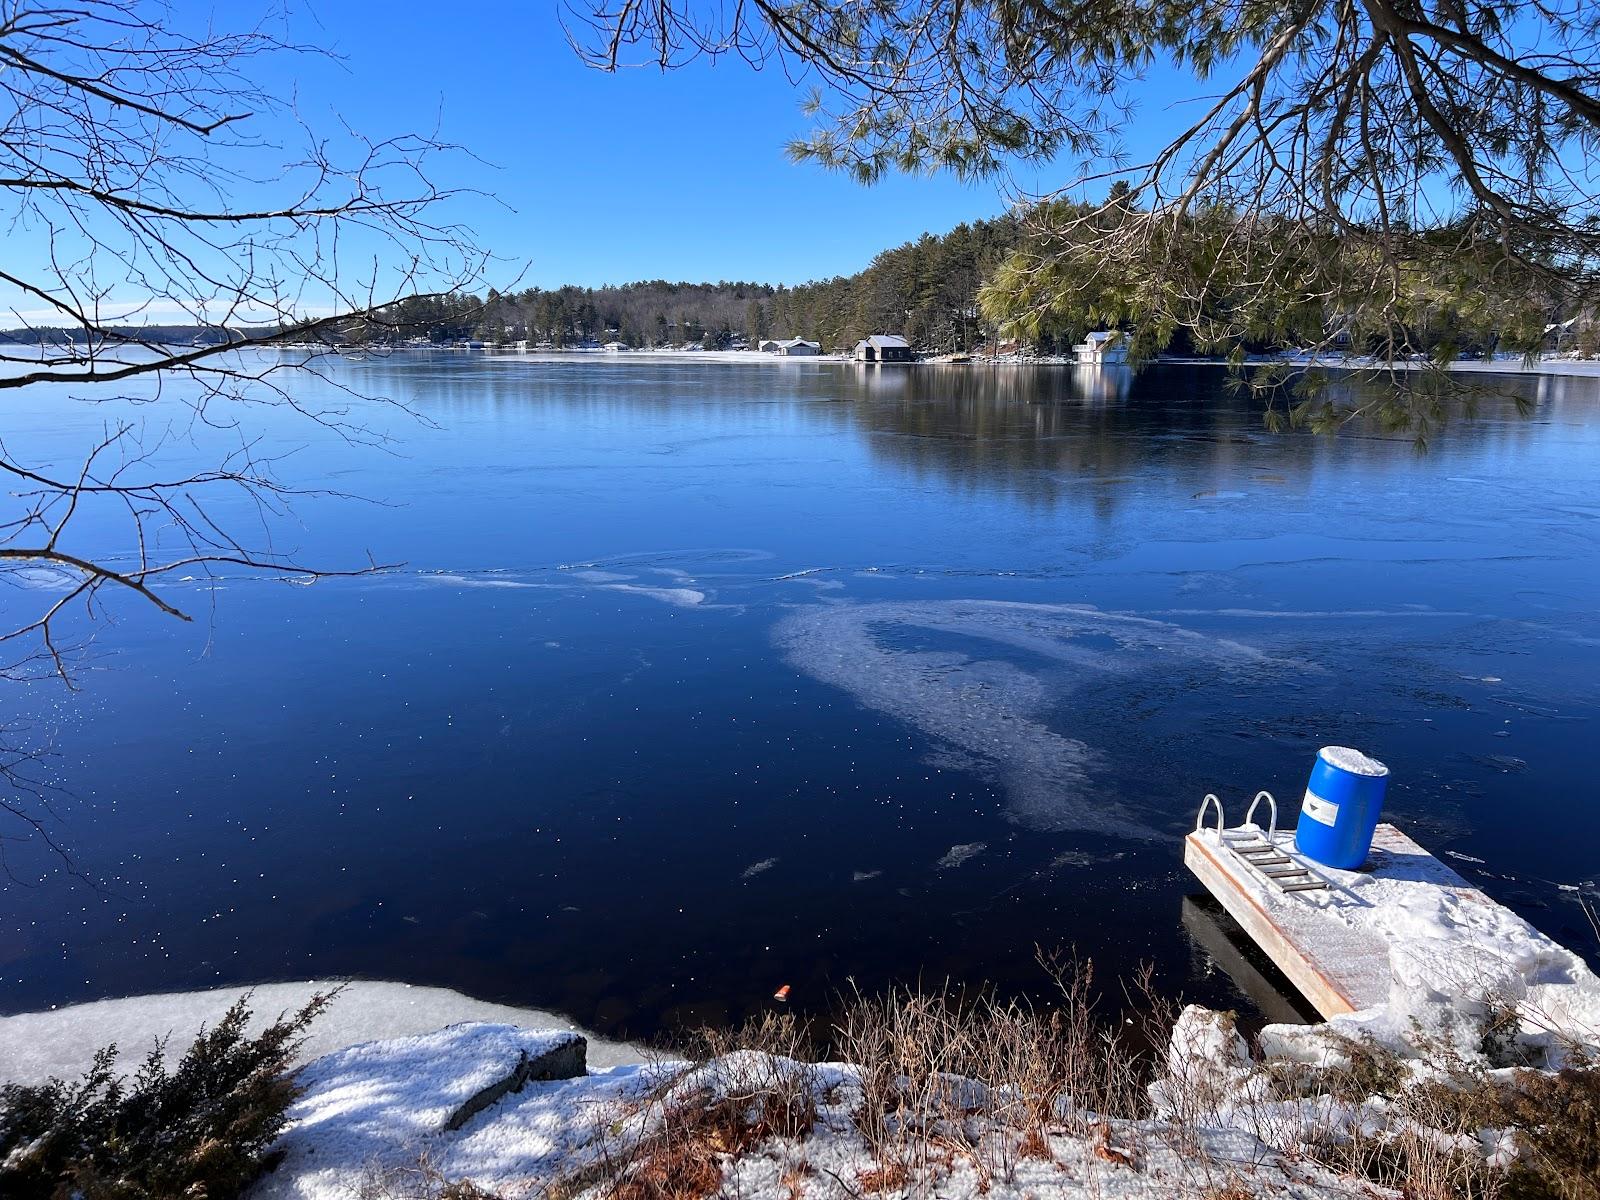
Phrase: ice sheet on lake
[674,591]
[601,576]
[989,711]
[681,597]
[754,869]
[957,855]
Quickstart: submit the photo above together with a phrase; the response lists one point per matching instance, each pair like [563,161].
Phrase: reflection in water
[1220,944]
[560,760]
[1062,434]
[991,710]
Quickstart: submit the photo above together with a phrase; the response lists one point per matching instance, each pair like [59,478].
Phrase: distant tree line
[1036,280]
[926,291]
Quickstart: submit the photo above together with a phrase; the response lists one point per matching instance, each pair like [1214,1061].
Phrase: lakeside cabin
[1102,347]
[883,348]
[789,347]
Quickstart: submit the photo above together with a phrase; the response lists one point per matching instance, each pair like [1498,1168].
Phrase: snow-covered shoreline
[1510,365]
[377,1121]
[516,1102]
[62,1042]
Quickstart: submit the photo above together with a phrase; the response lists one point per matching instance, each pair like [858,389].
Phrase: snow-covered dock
[1404,926]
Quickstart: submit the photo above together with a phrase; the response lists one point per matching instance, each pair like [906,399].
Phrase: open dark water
[702,678]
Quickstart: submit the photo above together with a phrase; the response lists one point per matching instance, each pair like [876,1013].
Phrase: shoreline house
[1102,347]
[883,348]
[789,347]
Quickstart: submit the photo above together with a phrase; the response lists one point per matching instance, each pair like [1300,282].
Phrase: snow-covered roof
[1101,335]
[788,342]
[885,341]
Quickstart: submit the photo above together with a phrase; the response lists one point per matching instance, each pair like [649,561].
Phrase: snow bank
[62,1042]
[1426,958]
[371,1115]
[1453,956]
[381,1108]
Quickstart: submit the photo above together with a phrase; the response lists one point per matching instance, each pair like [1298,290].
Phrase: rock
[1208,1065]
[567,1059]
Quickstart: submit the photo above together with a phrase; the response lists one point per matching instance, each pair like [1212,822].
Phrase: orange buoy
[782,994]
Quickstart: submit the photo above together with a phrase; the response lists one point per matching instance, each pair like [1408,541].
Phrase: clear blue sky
[587,177]
[609,178]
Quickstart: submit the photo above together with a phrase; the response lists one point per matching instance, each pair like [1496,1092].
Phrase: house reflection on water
[1075,434]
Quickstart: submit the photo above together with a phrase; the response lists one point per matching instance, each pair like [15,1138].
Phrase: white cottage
[1101,347]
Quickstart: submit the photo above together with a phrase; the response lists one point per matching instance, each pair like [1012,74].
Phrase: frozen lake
[703,678]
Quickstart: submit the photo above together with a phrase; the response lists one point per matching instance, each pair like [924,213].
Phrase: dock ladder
[1261,851]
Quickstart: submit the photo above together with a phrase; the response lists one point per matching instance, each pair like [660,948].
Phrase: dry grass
[420,1181]
[890,1178]
[949,1080]
[947,1075]
[749,1087]
[1557,1119]
[1430,1137]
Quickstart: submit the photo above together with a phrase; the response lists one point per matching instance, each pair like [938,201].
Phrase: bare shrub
[1373,1115]
[742,1088]
[947,1080]
[421,1181]
[1557,1123]
[949,1073]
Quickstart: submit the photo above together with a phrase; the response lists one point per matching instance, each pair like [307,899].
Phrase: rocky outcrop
[566,1059]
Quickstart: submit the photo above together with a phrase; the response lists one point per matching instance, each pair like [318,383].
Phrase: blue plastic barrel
[1344,800]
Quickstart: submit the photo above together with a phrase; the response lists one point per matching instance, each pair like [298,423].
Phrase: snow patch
[372,1113]
[1353,761]
[959,854]
[1427,956]
[679,597]
[382,1106]
[62,1042]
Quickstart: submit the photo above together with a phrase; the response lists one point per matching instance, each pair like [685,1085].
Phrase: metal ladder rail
[1259,851]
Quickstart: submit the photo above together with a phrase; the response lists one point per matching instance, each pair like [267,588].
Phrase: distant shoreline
[1513,365]
[1509,365]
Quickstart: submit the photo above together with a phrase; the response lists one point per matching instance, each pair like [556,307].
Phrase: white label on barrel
[1319,809]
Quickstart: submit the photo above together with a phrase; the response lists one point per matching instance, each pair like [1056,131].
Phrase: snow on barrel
[1344,800]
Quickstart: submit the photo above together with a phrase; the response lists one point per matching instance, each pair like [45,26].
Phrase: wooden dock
[1330,942]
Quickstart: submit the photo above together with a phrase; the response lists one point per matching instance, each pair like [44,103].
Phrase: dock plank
[1331,943]
[1336,968]
[1400,941]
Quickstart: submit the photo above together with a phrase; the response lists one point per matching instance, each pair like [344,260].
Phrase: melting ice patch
[45,579]
[988,711]
[680,597]
[959,854]
[480,581]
